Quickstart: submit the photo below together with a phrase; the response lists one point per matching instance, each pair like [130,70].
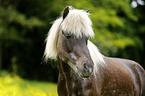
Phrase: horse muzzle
[85,71]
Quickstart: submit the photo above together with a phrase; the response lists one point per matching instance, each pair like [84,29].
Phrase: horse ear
[88,11]
[65,12]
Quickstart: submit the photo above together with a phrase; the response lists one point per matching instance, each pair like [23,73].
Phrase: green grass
[13,85]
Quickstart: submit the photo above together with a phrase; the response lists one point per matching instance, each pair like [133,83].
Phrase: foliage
[11,19]
[13,85]
[21,31]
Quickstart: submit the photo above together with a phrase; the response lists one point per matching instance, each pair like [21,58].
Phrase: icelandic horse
[83,70]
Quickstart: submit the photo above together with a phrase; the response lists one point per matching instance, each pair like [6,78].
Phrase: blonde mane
[51,41]
[78,23]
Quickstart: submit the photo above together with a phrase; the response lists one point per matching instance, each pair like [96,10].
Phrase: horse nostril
[87,68]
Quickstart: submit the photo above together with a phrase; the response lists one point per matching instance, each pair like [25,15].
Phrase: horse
[83,70]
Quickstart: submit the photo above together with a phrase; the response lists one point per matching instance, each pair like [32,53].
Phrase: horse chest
[74,87]
[81,89]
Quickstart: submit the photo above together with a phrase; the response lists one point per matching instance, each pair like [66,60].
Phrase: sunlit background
[119,27]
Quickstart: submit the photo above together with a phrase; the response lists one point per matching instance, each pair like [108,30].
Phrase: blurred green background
[119,27]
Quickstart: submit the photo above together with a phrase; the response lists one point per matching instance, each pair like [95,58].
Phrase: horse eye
[66,35]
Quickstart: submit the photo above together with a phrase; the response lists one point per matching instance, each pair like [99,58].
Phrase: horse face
[74,52]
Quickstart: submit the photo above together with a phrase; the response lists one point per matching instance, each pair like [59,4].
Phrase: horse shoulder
[137,74]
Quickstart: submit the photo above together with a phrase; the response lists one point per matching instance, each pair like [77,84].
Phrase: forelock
[77,22]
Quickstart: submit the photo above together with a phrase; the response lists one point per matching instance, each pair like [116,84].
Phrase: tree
[14,27]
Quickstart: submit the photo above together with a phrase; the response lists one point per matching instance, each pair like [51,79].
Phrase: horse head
[72,48]
[68,40]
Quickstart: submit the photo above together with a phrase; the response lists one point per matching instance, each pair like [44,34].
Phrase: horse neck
[65,78]
[64,70]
